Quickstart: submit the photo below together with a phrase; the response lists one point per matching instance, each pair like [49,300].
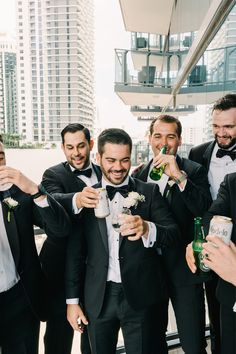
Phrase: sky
[109,34]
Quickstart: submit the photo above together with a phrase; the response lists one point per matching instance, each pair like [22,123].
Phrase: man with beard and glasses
[219,158]
[116,275]
[70,182]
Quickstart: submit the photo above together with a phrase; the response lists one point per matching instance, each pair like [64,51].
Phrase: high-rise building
[55,66]
[8,85]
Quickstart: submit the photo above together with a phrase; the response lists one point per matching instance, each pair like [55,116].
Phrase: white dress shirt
[219,167]
[113,236]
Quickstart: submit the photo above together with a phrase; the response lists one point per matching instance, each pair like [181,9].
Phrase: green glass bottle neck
[198,230]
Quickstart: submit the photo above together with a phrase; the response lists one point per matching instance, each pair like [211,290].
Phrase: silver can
[221,226]
[102,209]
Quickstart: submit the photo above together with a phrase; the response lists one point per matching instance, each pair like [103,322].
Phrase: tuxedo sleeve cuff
[151,238]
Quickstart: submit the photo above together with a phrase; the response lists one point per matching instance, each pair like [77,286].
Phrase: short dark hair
[73,128]
[224,103]
[113,136]
[167,119]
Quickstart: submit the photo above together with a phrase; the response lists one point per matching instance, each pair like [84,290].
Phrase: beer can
[102,209]
[221,226]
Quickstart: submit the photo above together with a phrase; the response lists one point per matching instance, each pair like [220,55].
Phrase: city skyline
[109,34]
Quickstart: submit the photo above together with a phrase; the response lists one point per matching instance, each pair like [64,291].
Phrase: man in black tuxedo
[219,158]
[226,292]
[23,292]
[70,183]
[185,187]
[117,277]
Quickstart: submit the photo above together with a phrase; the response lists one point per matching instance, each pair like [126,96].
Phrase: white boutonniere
[12,204]
[133,199]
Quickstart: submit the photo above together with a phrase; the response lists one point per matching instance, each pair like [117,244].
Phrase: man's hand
[171,167]
[221,258]
[74,315]
[189,255]
[10,175]
[88,198]
[133,225]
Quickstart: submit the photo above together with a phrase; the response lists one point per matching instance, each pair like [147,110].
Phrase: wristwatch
[42,191]
[182,178]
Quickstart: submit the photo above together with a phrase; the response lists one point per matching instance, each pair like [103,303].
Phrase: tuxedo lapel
[73,180]
[97,171]
[207,155]
[103,231]
[143,174]
[102,225]
[12,233]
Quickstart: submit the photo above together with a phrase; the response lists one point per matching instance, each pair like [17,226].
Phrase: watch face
[5,187]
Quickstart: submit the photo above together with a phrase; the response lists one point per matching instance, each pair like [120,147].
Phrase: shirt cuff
[152,235]
[74,301]
[43,203]
[74,206]
[184,185]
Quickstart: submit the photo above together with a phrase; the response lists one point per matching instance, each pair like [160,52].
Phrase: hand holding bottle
[165,163]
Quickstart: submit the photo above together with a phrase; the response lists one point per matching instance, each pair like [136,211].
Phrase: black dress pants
[116,314]
[228,330]
[58,336]
[189,308]
[19,328]
[214,315]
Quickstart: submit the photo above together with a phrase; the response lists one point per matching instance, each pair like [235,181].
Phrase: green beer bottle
[199,239]
[156,173]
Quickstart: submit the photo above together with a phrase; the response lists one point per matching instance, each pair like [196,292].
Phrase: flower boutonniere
[12,204]
[133,199]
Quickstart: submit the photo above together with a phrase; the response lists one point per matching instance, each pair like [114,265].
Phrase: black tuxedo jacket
[185,206]
[141,270]
[202,153]
[225,205]
[20,233]
[62,183]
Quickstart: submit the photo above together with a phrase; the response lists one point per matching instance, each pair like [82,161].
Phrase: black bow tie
[86,173]
[111,191]
[1,196]
[220,153]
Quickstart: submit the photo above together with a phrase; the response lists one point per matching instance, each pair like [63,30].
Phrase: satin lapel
[97,171]
[12,233]
[143,175]
[103,231]
[132,188]
[73,180]
[207,155]
[103,226]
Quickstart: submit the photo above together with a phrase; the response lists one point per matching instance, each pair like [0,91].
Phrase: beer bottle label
[201,263]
